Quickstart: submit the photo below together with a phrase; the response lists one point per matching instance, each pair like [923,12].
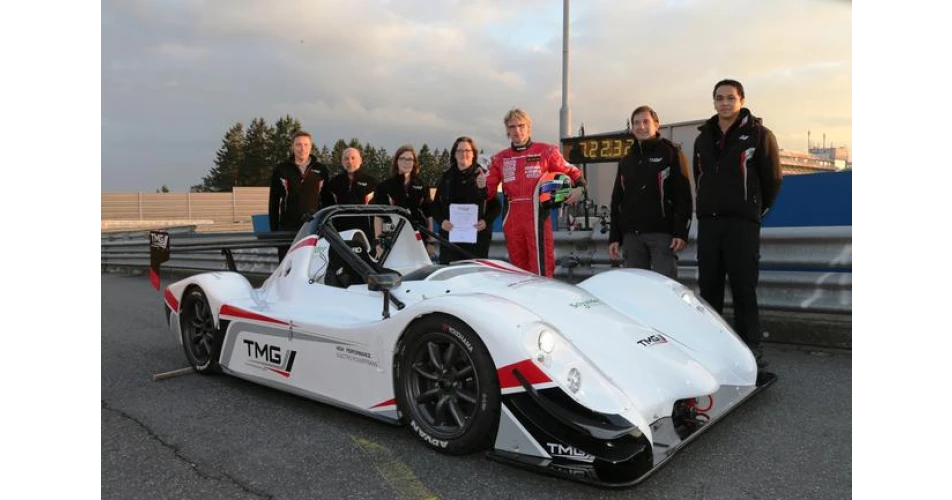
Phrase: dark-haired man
[737,177]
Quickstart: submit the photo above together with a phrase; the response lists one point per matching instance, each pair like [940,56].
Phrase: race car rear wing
[161,248]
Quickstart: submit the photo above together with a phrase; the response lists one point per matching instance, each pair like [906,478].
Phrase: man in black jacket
[651,200]
[737,177]
[351,187]
[296,185]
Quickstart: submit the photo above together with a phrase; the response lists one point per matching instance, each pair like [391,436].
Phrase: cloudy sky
[176,74]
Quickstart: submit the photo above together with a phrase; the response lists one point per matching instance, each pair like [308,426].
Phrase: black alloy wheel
[200,338]
[448,387]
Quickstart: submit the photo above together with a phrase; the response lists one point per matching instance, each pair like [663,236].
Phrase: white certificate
[463,217]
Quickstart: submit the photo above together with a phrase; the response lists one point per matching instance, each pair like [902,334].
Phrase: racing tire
[447,388]
[200,338]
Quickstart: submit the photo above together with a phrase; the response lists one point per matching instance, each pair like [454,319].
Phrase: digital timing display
[597,148]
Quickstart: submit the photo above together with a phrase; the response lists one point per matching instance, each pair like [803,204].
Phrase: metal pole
[565,115]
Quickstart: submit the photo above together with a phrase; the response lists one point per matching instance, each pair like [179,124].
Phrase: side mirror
[383,282]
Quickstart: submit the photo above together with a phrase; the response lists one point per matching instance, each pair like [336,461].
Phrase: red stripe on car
[501,268]
[389,402]
[527,368]
[306,242]
[171,300]
[227,310]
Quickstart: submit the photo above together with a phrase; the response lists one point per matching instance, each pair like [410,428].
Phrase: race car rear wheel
[447,386]
[200,337]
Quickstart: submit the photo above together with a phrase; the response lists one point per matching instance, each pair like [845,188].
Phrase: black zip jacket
[414,197]
[652,193]
[459,186]
[341,191]
[294,196]
[737,174]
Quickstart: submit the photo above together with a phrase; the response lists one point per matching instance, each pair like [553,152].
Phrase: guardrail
[805,269]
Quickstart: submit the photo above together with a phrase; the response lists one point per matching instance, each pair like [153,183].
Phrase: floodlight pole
[565,115]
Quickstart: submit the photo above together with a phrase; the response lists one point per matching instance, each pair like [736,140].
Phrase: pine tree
[429,168]
[385,160]
[227,161]
[371,163]
[256,166]
[337,153]
[281,134]
[444,161]
[324,156]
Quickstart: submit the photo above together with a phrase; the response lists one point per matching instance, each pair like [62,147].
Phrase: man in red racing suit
[519,168]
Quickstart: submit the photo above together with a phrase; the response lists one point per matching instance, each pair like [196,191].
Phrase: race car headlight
[546,341]
[562,362]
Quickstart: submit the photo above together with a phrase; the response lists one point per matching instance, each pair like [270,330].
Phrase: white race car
[600,382]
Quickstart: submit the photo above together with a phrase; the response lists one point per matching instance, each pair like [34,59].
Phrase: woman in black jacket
[405,189]
[458,185]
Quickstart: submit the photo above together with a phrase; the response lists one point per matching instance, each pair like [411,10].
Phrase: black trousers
[730,246]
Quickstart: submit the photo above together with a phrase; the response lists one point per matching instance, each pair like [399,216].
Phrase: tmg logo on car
[559,450]
[652,340]
[270,357]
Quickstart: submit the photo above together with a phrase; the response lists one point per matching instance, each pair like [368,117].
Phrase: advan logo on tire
[426,437]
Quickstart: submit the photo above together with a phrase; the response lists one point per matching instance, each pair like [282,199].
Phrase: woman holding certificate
[459,198]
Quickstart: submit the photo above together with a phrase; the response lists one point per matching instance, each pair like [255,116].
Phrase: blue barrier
[821,199]
[260,223]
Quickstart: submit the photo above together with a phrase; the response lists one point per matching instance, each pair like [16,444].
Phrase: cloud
[179,51]
[177,74]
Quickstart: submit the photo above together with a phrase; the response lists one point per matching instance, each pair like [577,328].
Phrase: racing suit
[519,169]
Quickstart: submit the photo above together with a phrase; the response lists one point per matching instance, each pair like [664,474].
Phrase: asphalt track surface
[211,437]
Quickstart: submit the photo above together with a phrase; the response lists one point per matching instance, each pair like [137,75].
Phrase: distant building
[817,160]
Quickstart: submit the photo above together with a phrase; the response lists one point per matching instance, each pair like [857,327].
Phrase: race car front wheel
[447,387]
[200,337]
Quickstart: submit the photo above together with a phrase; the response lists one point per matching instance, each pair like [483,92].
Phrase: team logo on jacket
[508,169]
[270,357]
[653,340]
[533,158]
